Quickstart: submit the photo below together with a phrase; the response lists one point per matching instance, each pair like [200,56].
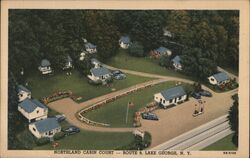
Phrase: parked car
[71,130]
[196,95]
[118,75]
[60,118]
[149,116]
[205,93]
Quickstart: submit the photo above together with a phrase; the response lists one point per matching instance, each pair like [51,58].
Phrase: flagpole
[127,113]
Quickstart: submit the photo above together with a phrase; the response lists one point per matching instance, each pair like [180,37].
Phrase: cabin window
[156,97]
[179,98]
[160,100]
[170,101]
[164,101]
[21,95]
[37,111]
[34,129]
[212,79]
[50,132]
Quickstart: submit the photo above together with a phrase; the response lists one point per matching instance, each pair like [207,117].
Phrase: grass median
[114,113]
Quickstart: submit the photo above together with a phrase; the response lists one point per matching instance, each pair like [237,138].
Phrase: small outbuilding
[23,93]
[82,55]
[99,74]
[96,63]
[124,42]
[170,96]
[90,48]
[167,33]
[69,63]
[33,110]
[219,79]
[45,67]
[45,128]
[177,62]
[161,51]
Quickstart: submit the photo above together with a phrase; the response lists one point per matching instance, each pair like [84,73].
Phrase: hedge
[59,135]
[42,141]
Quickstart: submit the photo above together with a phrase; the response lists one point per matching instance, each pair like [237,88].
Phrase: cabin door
[175,99]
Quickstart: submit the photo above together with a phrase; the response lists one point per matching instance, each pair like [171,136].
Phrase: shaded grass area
[223,144]
[142,64]
[86,140]
[42,86]
[231,70]
[114,113]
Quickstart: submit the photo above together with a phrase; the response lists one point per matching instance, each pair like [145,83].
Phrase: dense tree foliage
[203,39]
[102,32]
[144,26]
[233,118]
[14,120]
[196,64]
[52,34]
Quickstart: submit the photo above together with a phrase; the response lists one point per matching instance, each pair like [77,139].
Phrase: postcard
[124,78]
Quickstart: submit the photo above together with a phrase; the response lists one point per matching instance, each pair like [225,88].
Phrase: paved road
[173,121]
[199,137]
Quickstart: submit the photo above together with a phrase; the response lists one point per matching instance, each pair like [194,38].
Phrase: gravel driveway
[173,121]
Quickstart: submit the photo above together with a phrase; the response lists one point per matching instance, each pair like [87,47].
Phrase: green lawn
[114,113]
[42,86]
[83,140]
[143,64]
[223,144]
[86,140]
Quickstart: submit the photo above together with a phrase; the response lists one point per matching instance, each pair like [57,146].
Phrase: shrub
[59,135]
[109,80]
[136,49]
[42,141]
[98,82]
[138,143]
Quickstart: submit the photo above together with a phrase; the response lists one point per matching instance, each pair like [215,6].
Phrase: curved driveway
[173,121]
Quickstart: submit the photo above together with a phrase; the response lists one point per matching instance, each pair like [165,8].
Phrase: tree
[85,65]
[14,119]
[148,29]
[136,49]
[178,23]
[23,47]
[102,32]
[196,64]
[165,61]
[233,118]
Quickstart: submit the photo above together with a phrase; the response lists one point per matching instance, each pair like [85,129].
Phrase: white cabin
[218,79]
[124,42]
[177,62]
[90,48]
[96,63]
[170,96]
[23,93]
[33,110]
[45,67]
[45,128]
[99,74]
